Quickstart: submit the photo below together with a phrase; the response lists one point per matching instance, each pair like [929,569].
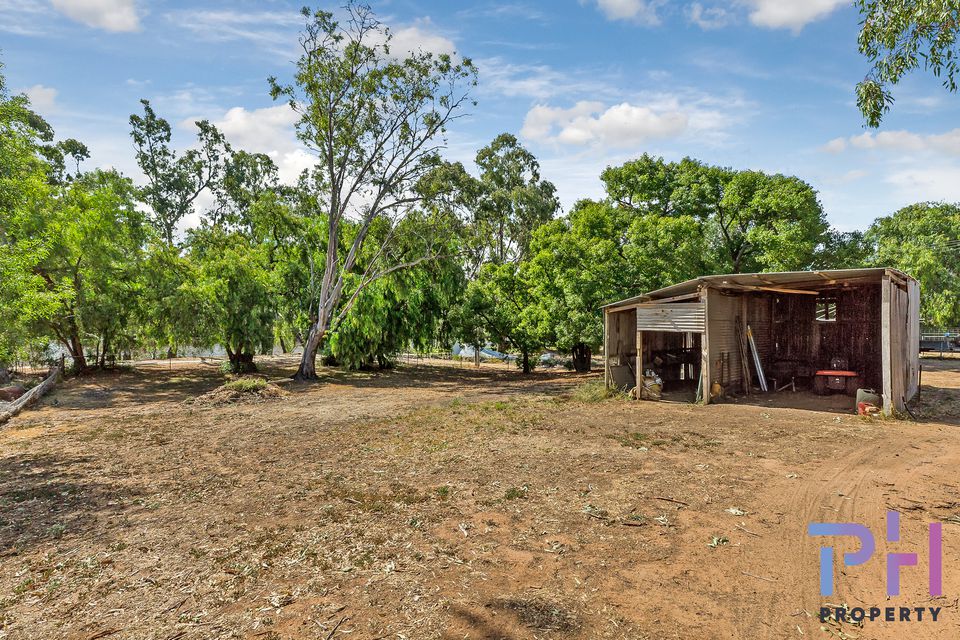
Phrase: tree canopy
[376,122]
[383,245]
[923,240]
[900,36]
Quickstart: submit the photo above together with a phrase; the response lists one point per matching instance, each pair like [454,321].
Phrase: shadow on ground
[45,497]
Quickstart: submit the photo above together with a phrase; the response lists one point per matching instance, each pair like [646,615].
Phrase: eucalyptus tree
[900,36]
[409,307]
[513,199]
[376,118]
[174,180]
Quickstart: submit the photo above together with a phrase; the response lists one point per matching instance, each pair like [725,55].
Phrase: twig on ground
[758,577]
[337,626]
[686,504]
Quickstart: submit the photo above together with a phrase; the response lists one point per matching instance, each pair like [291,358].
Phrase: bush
[246,385]
[594,391]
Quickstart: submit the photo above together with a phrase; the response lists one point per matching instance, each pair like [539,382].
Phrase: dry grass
[429,503]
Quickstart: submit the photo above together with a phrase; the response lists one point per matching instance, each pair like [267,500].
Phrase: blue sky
[758,84]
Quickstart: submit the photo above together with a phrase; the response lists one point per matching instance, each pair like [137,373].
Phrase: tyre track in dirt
[890,473]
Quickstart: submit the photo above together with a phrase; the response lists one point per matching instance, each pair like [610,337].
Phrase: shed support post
[606,348]
[705,347]
[886,356]
[639,361]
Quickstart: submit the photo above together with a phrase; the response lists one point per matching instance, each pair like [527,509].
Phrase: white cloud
[506,11]
[620,125]
[946,143]
[927,183]
[269,130]
[273,31]
[540,81]
[645,117]
[111,15]
[24,17]
[837,145]
[708,18]
[420,36]
[276,31]
[639,11]
[790,14]
[42,99]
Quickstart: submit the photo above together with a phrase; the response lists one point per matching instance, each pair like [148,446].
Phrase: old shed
[861,325]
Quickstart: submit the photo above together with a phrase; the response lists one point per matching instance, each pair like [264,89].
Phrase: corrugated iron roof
[796,279]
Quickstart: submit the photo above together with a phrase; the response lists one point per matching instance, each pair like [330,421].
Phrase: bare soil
[438,501]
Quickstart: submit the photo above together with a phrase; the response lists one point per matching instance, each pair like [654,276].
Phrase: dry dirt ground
[442,502]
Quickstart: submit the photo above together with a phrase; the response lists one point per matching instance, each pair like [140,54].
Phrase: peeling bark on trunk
[308,361]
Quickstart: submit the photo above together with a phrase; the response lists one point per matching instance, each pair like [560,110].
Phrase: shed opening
[823,335]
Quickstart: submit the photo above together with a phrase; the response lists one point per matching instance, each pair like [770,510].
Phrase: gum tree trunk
[308,361]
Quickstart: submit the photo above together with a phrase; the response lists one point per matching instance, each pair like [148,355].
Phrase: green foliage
[246,385]
[174,181]
[24,190]
[751,221]
[407,307]
[512,200]
[377,122]
[73,262]
[176,307]
[897,37]
[499,306]
[576,265]
[923,240]
[235,279]
[509,203]
[844,250]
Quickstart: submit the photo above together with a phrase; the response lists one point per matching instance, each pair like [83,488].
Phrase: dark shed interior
[828,331]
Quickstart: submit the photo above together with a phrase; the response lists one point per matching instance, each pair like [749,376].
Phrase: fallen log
[31,396]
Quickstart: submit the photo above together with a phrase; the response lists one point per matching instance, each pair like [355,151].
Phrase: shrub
[246,385]
[594,391]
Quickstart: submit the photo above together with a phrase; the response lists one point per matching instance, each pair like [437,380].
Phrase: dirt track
[436,502]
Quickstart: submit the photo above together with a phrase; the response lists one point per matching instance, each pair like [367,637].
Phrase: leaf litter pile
[242,389]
